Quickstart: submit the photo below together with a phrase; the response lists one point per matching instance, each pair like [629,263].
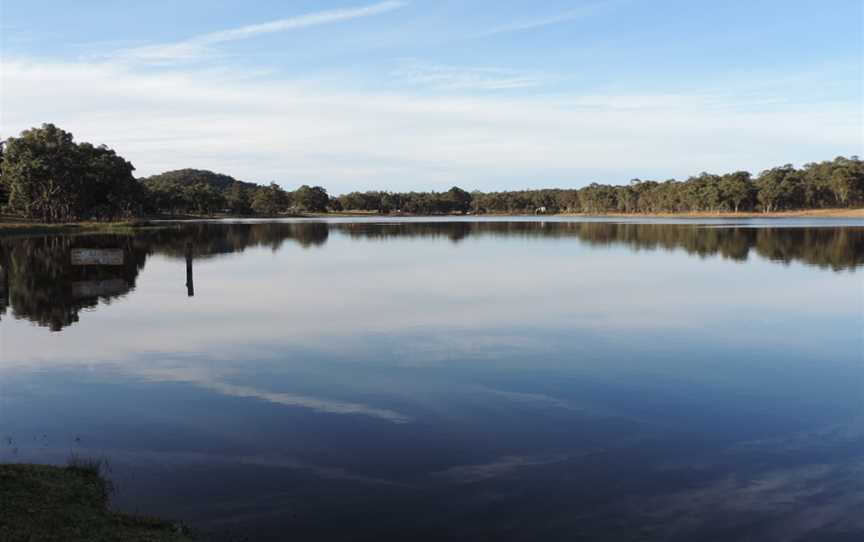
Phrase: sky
[424,95]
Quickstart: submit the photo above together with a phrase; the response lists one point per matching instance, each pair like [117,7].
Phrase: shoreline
[803,213]
[10,229]
[14,225]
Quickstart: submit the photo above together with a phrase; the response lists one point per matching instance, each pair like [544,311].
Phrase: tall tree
[269,200]
[108,188]
[311,198]
[237,198]
[460,200]
[42,170]
[736,190]
[847,184]
[50,177]
[780,188]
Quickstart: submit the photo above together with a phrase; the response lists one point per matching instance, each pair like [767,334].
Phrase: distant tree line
[45,175]
[829,184]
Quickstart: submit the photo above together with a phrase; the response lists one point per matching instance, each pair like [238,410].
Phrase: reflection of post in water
[4,282]
[190,283]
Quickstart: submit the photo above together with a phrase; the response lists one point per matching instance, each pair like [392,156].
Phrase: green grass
[11,228]
[11,225]
[70,504]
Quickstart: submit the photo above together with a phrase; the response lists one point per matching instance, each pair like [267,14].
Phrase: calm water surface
[440,379]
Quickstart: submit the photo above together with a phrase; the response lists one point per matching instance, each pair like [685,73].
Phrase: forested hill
[185,191]
[190,177]
[199,191]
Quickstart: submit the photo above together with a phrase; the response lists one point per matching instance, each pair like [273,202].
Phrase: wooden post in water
[190,283]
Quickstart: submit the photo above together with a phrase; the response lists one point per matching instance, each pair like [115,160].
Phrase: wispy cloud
[205,379]
[326,406]
[198,46]
[351,139]
[796,503]
[443,77]
[505,465]
[558,18]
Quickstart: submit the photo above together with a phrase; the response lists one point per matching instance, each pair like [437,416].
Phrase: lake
[460,379]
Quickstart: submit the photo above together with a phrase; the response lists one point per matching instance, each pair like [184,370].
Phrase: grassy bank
[69,504]
[11,225]
[7,229]
[821,213]
[803,213]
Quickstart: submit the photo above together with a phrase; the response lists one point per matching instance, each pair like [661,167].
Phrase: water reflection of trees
[43,286]
[210,239]
[39,283]
[827,247]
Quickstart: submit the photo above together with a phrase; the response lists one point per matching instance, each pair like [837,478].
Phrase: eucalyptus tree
[780,188]
[270,200]
[311,198]
[42,171]
[737,190]
[51,178]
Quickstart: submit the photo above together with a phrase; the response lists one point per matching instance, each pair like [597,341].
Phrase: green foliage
[312,198]
[459,199]
[49,177]
[737,191]
[454,200]
[238,199]
[270,200]
[186,177]
[780,188]
[195,191]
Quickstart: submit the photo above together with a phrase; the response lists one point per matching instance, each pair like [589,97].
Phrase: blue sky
[426,94]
